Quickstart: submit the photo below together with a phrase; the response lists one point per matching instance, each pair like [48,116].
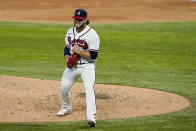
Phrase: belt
[85,63]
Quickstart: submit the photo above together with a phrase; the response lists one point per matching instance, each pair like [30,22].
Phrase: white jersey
[88,36]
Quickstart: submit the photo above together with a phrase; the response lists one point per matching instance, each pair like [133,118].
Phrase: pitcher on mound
[80,52]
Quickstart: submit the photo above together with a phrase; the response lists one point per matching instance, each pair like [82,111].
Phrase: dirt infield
[100,11]
[34,100]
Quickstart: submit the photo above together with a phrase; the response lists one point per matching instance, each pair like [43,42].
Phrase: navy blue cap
[80,14]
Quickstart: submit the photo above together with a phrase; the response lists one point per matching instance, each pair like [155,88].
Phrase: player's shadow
[85,126]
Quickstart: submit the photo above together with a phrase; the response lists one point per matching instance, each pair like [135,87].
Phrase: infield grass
[148,55]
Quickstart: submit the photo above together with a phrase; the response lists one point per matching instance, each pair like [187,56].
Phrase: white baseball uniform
[84,68]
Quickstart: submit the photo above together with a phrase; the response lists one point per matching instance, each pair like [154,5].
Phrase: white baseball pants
[87,73]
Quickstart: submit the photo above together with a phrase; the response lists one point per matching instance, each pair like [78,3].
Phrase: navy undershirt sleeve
[66,51]
[93,54]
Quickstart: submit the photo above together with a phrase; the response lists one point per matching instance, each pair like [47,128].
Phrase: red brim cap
[78,17]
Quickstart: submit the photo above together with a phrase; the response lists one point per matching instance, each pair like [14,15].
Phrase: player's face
[79,23]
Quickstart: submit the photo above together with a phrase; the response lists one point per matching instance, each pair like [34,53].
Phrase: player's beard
[82,26]
[79,27]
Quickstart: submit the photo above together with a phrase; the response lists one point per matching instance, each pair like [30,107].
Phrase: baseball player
[80,52]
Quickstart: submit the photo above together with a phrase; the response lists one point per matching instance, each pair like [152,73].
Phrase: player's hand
[76,49]
[69,64]
[73,60]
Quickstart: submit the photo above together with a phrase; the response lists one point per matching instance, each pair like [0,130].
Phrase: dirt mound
[35,100]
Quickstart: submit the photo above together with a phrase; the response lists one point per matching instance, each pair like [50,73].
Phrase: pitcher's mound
[35,100]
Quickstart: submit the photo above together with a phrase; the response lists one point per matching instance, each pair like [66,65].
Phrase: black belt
[85,63]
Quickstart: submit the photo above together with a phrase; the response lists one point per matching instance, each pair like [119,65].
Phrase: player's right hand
[73,60]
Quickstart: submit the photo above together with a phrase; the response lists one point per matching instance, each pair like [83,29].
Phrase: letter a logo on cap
[78,13]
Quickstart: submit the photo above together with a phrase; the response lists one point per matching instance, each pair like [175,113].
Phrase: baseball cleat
[91,123]
[63,112]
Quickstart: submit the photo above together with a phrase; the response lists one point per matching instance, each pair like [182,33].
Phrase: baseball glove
[73,60]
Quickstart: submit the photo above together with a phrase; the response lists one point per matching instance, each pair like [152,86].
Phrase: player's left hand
[76,49]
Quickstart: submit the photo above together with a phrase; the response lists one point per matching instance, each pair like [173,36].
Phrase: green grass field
[159,56]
